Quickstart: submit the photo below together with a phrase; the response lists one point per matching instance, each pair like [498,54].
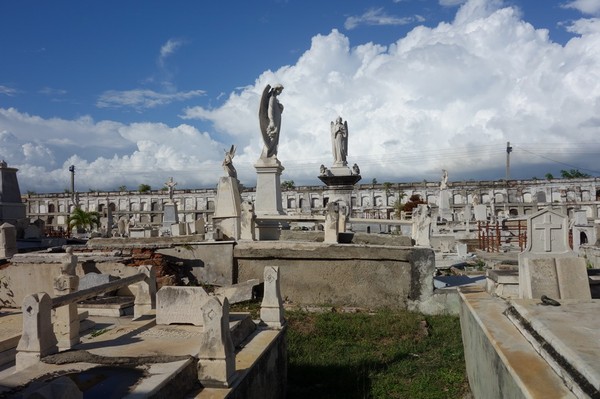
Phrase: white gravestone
[421,226]
[8,240]
[548,263]
[331,225]
[228,207]
[271,308]
[247,223]
[480,211]
[38,339]
[216,357]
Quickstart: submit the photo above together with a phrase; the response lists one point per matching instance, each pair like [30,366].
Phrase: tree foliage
[82,219]
[573,174]
[411,204]
[144,188]
[288,185]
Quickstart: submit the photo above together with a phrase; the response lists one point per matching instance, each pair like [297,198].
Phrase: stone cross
[171,187]
[546,227]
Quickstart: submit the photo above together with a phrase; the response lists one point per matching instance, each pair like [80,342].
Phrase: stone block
[573,279]
[179,305]
[238,292]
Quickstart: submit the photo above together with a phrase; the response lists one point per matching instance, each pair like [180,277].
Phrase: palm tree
[82,219]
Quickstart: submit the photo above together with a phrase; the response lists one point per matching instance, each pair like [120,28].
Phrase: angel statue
[269,117]
[339,141]
[228,162]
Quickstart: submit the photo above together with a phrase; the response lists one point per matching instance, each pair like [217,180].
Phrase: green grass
[383,355]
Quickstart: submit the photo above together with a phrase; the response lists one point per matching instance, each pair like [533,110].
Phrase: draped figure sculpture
[339,141]
[228,162]
[269,117]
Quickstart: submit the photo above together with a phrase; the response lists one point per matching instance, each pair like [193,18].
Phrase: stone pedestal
[340,183]
[170,215]
[12,209]
[268,197]
[228,207]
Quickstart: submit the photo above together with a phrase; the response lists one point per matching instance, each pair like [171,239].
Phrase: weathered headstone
[145,292]
[557,278]
[548,256]
[331,225]
[216,357]
[178,229]
[421,227]
[228,207]
[247,224]
[271,308]
[238,292]
[480,211]
[179,305]
[37,339]
[8,240]
[170,215]
[90,280]
[66,320]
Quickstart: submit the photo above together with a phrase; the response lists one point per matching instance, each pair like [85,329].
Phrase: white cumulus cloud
[442,97]
[141,99]
[590,7]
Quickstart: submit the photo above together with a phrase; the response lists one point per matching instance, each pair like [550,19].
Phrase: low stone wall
[500,362]
[210,262]
[342,274]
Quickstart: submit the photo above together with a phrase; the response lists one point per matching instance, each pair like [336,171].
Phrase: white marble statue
[228,163]
[355,169]
[269,117]
[339,141]
[170,184]
[444,182]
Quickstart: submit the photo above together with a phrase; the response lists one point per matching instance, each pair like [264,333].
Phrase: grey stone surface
[573,281]
[228,208]
[566,336]
[342,275]
[12,208]
[500,362]
[541,278]
[331,225]
[240,292]
[216,357]
[8,240]
[92,279]
[180,305]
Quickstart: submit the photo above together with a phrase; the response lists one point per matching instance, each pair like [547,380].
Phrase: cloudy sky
[134,92]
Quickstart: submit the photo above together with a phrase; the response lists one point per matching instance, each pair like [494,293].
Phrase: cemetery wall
[376,201]
[341,274]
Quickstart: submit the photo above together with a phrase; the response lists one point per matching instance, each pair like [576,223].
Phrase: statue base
[268,197]
[340,180]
